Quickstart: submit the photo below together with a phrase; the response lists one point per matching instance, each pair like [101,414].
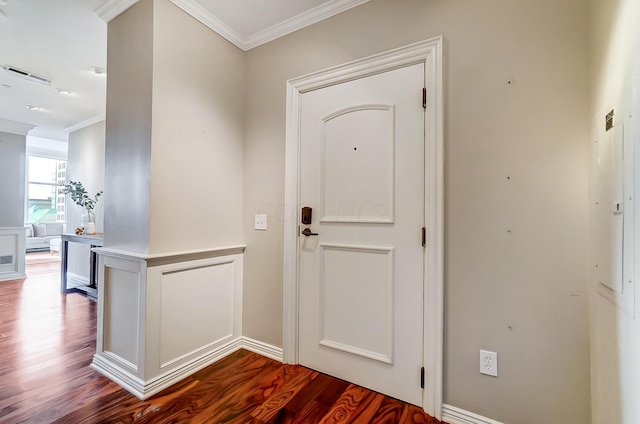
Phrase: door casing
[429,52]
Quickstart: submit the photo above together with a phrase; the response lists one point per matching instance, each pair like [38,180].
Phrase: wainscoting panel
[121,319]
[163,317]
[12,248]
[453,415]
[196,309]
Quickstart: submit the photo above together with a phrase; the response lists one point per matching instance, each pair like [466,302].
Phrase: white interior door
[361,276]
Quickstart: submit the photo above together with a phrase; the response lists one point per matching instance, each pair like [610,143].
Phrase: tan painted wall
[13,149]
[614,41]
[197,148]
[128,129]
[86,164]
[516,189]
[175,116]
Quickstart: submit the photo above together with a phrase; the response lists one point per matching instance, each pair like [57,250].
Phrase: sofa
[39,235]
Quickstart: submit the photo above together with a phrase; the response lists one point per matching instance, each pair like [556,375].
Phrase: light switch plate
[261,222]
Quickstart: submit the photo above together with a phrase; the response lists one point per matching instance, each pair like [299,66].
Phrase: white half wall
[12,247]
[162,318]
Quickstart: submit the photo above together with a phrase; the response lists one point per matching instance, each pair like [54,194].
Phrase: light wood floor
[47,342]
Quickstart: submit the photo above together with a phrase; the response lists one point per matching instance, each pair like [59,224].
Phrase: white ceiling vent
[11,70]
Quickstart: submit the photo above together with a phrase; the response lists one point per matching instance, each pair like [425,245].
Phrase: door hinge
[424,98]
[422,378]
[424,236]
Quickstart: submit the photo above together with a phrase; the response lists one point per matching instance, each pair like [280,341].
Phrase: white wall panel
[12,245]
[121,331]
[196,309]
[163,317]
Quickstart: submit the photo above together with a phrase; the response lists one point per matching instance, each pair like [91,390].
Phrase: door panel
[358,165]
[351,274]
[361,276]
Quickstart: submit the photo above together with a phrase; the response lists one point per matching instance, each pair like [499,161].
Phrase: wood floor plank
[47,342]
[219,394]
[280,396]
[237,407]
[391,411]
[356,404]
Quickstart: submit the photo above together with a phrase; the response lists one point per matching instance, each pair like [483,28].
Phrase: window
[45,198]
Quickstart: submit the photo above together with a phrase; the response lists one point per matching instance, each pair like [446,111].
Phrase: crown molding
[113,8]
[86,123]
[300,21]
[14,127]
[201,14]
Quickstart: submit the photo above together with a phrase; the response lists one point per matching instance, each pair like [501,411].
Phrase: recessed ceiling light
[4,2]
[98,71]
[63,91]
[33,107]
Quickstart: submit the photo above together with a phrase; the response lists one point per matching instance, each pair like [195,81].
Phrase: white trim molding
[201,14]
[113,8]
[261,348]
[453,415]
[76,280]
[300,21]
[144,389]
[86,123]
[429,52]
[14,127]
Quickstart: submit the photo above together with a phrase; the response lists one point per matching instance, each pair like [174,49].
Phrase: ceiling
[63,40]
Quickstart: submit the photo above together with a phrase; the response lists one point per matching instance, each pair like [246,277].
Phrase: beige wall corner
[197,147]
[516,97]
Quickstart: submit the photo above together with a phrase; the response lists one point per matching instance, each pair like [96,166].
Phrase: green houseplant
[80,197]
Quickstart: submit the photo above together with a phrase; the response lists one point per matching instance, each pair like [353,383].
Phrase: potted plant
[81,197]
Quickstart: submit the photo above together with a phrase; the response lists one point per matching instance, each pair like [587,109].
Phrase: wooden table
[94,240]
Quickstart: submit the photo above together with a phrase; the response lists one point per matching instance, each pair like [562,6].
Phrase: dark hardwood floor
[47,342]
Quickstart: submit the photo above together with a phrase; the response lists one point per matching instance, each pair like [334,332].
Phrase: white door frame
[429,52]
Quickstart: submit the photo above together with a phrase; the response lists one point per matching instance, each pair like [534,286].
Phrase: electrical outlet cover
[489,363]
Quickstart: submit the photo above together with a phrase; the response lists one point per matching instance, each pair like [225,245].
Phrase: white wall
[12,177]
[85,164]
[516,146]
[614,66]
[12,174]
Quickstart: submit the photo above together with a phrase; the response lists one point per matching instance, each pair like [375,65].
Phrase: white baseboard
[261,348]
[453,415]
[8,276]
[75,280]
[145,389]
